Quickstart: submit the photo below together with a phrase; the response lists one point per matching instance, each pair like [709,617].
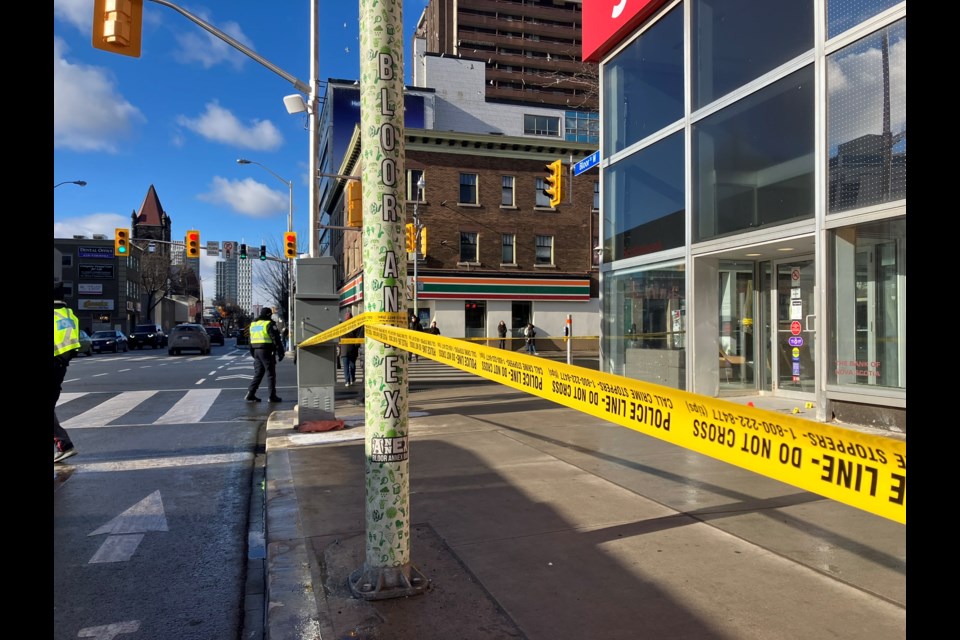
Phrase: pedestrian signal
[243,252]
[290,244]
[354,204]
[554,181]
[192,242]
[411,237]
[121,242]
[117,26]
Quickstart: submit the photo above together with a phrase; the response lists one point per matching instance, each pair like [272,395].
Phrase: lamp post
[289,184]
[416,249]
[79,183]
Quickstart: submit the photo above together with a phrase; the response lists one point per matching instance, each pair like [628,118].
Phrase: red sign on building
[795,327]
[607,22]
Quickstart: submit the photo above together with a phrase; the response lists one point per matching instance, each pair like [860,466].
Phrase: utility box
[316,309]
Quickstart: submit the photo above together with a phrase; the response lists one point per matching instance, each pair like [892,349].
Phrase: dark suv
[216,335]
[148,335]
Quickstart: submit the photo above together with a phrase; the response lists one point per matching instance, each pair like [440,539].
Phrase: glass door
[794,341]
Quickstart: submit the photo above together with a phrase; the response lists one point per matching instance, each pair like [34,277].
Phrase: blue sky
[180,115]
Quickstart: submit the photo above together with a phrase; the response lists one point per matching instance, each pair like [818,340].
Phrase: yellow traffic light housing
[117,26]
[411,237]
[121,242]
[354,204]
[423,241]
[192,242]
[290,244]
[554,180]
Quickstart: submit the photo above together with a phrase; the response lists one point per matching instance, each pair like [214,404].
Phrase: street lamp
[289,184]
[416,249]
[79,183]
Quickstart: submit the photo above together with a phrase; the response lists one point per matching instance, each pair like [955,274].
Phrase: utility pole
[387,570]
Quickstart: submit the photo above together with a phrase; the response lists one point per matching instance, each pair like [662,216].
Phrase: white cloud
[78,13]
[90,224]
[247,197]
[209,50]
[89,114]
[220,125]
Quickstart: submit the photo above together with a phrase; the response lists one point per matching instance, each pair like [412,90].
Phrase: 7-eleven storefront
[472,306]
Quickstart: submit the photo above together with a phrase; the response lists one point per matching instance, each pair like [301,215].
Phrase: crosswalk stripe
[191,407]
[109,410]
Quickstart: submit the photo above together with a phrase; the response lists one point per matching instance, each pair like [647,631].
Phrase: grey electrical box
[316,309]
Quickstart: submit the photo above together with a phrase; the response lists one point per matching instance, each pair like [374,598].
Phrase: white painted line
[117,549]
[190,408]
[159,463]
[146,515]
[109,631]
[109,410]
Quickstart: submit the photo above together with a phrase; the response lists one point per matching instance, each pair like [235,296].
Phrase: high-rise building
[530,49]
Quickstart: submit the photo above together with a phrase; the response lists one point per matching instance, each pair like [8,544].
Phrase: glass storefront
[644,335]
[783,176]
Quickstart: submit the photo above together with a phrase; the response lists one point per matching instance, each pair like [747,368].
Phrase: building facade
[528,50]
[753,193]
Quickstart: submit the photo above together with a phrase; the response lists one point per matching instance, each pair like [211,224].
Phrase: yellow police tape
[862,470]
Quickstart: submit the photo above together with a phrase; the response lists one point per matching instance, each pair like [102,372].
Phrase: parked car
[216,335]
[108,340]
[148,335]
[188,336]
[86,344]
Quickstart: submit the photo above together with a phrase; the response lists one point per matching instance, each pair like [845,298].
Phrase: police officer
[265,344]
[66,342]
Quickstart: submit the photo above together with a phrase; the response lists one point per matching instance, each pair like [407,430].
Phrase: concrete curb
[292,612]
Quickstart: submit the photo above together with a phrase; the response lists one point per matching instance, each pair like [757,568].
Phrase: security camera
[598,248]
[294,103]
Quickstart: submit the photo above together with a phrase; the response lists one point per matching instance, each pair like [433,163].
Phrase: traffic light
[192,242]
[243,252]
[263,252]
[354,204]
[423,241]
[117,26]
[290,244]
[411,238]
[554,181]
[121,242]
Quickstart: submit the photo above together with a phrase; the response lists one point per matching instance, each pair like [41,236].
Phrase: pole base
[383,583]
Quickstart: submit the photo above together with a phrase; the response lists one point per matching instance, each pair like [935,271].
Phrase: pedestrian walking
[530,334]
[266,348]
[66,343]
[348,355]
[434,329]
[502,332]
[415,326]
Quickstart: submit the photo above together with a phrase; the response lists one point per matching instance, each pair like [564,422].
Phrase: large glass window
[468,247]
[846,14]
[643,84]
[738,41]
[644,324]
[541,125]
[506,191]
[644,201]
[753,161]
[582,126]
[543,200]
[544,250]
[867,113]
[868,328]
[468,188]
[508,254]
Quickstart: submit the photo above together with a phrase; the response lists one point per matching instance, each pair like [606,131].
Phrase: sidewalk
[535,521]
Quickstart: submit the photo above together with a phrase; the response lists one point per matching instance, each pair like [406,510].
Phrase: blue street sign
[589,162]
